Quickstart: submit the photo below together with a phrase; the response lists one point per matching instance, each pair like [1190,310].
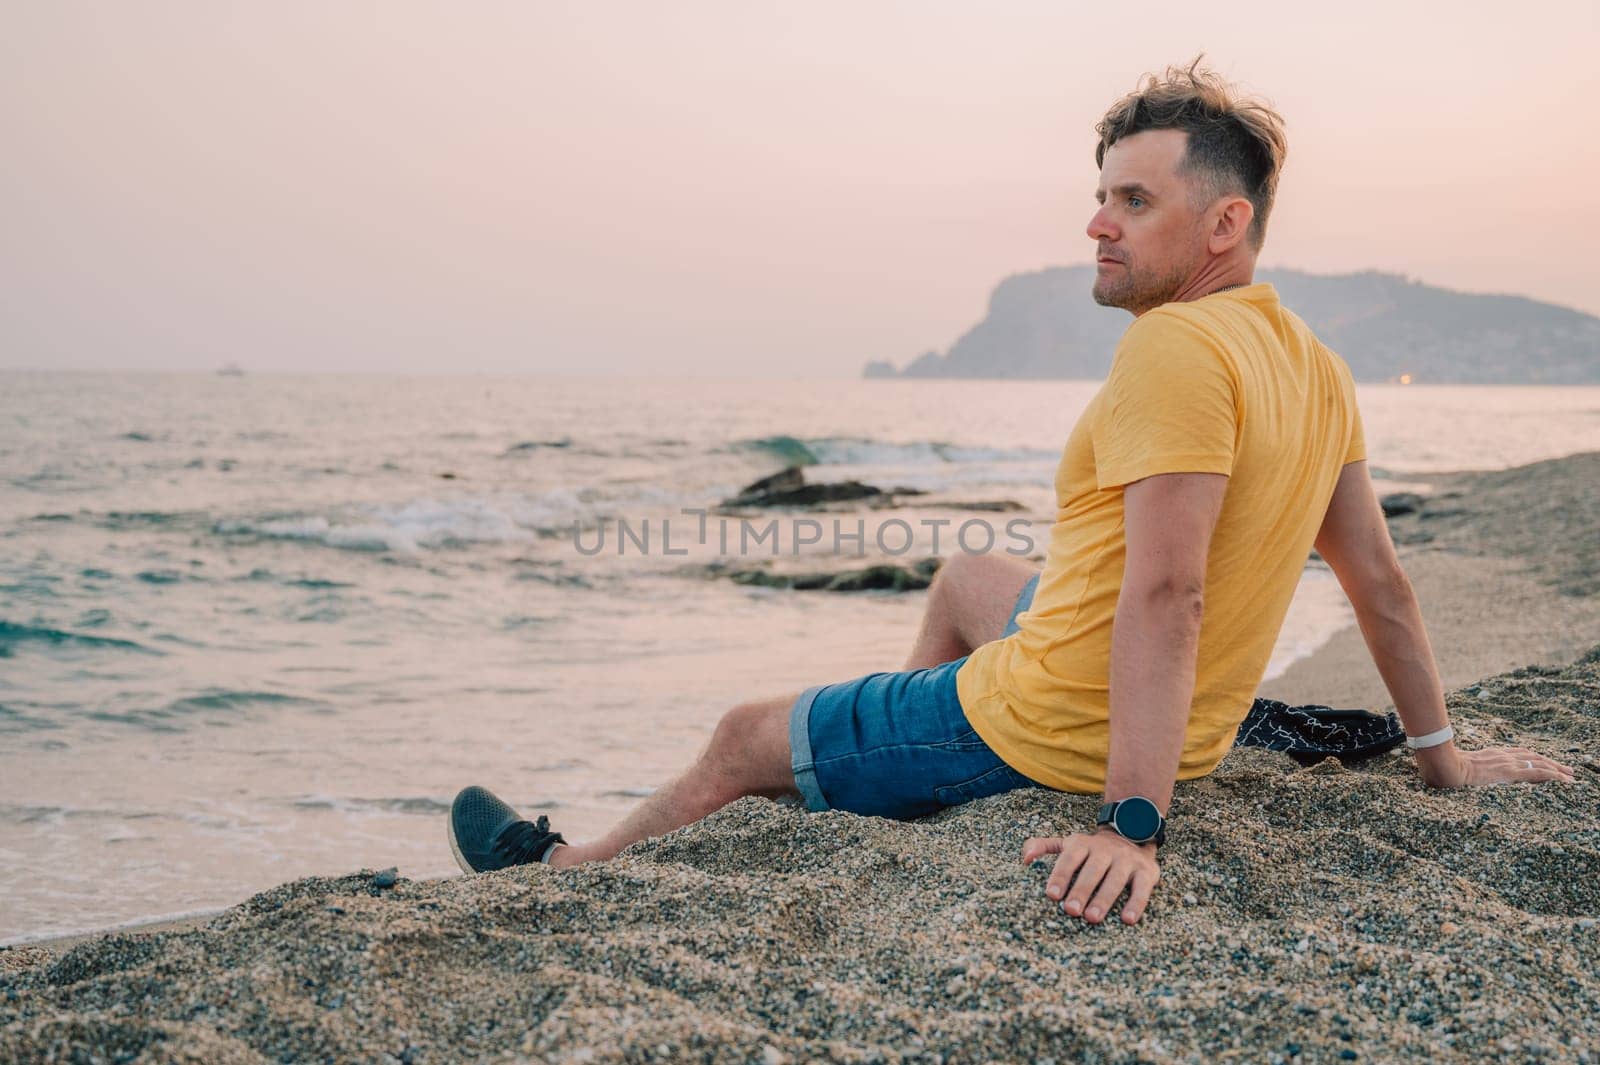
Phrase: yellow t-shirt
[1231,383]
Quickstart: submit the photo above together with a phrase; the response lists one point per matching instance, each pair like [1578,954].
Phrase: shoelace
[526,841]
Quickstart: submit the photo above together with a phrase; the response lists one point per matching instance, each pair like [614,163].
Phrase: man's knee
[736,728]
[974,594]
[949,592]
[954,571]
[750,746]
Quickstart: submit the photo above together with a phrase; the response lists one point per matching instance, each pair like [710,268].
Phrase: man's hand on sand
[1104,864]
[1452,768]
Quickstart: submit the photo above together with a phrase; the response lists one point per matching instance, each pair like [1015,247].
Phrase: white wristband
[1432,739]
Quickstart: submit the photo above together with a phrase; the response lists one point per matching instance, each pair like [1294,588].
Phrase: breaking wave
[424,524]
[864,451]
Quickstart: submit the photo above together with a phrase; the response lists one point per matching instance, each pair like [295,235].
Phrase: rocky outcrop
[1044,325]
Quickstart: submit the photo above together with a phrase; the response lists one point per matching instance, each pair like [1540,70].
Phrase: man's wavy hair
[1236,144]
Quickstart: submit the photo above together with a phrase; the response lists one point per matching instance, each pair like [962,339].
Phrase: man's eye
[1135,201]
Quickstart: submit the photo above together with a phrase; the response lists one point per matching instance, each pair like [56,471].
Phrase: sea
[260,627]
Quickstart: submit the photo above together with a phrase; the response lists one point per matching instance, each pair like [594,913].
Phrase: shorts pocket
[1001,778]
[966,741]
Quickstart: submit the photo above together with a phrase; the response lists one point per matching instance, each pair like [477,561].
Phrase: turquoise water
[254,628]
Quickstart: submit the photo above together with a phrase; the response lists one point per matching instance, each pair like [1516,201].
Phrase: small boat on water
[232,369]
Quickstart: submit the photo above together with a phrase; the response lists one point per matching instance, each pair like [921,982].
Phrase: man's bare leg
[748,755]
[969,603]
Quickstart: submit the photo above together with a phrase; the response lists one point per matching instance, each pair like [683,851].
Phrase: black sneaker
[487,834]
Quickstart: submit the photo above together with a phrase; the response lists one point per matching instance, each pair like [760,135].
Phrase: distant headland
[1043,325]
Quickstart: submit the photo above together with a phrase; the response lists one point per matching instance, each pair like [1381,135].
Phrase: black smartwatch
[1135,819]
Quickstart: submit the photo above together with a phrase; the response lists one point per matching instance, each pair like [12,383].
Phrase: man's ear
[1232,224]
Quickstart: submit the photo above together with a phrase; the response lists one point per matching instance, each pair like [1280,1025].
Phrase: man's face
[1151,238]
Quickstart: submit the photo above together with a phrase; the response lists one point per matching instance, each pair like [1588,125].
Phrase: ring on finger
[1529,763]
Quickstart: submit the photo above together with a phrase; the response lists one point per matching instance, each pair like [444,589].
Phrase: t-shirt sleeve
[1169,405]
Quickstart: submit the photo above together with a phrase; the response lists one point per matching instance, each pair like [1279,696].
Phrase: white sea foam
[423,805]
[854,451]
[427,524]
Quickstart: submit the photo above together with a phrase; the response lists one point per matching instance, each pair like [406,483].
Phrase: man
[1224,444]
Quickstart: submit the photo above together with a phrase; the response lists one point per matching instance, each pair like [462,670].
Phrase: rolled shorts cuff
[801,758]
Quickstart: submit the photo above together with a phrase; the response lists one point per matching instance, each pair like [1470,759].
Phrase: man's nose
[1100,227]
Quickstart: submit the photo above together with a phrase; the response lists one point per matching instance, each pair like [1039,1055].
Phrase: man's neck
[1219,275]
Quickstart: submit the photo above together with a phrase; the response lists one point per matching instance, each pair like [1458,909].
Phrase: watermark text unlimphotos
[775,536]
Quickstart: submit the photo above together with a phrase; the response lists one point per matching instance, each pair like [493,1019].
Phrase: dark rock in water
[527,446]
[1399,503]
[788,488]
[888,576]
[386,878]
[990,506]
[785,480]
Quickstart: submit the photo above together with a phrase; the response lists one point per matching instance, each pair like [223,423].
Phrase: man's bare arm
[1155,637]
[1155,640]
[1354,540]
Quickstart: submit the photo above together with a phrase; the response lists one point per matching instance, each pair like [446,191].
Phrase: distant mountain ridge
[1044,325]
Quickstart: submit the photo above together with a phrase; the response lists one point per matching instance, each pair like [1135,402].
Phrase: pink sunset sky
[715,188]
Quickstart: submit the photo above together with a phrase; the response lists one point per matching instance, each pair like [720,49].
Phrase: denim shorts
[896,744]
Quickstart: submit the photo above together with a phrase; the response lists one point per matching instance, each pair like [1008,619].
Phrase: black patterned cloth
[1309,734]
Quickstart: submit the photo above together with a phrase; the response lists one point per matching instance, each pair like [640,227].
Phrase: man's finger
[1549,766]
[1036,847]
[1533,768]
[1094,867]
[1526,760]
[1072,856]
[1144,881]
[1566,771]
[1541,768]
[1116,879]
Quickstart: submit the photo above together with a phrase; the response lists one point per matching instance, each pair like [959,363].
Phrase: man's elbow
[1176,597]
[1386,585]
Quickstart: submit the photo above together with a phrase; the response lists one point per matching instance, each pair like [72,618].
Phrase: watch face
[1138,819]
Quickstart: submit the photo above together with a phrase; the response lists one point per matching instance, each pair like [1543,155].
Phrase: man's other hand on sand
[1447,766]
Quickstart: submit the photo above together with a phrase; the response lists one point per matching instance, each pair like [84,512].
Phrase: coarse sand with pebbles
[1329,913]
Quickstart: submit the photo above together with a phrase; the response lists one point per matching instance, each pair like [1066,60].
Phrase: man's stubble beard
[1136,293]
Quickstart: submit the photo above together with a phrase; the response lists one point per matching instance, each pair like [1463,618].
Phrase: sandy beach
[1327,913]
